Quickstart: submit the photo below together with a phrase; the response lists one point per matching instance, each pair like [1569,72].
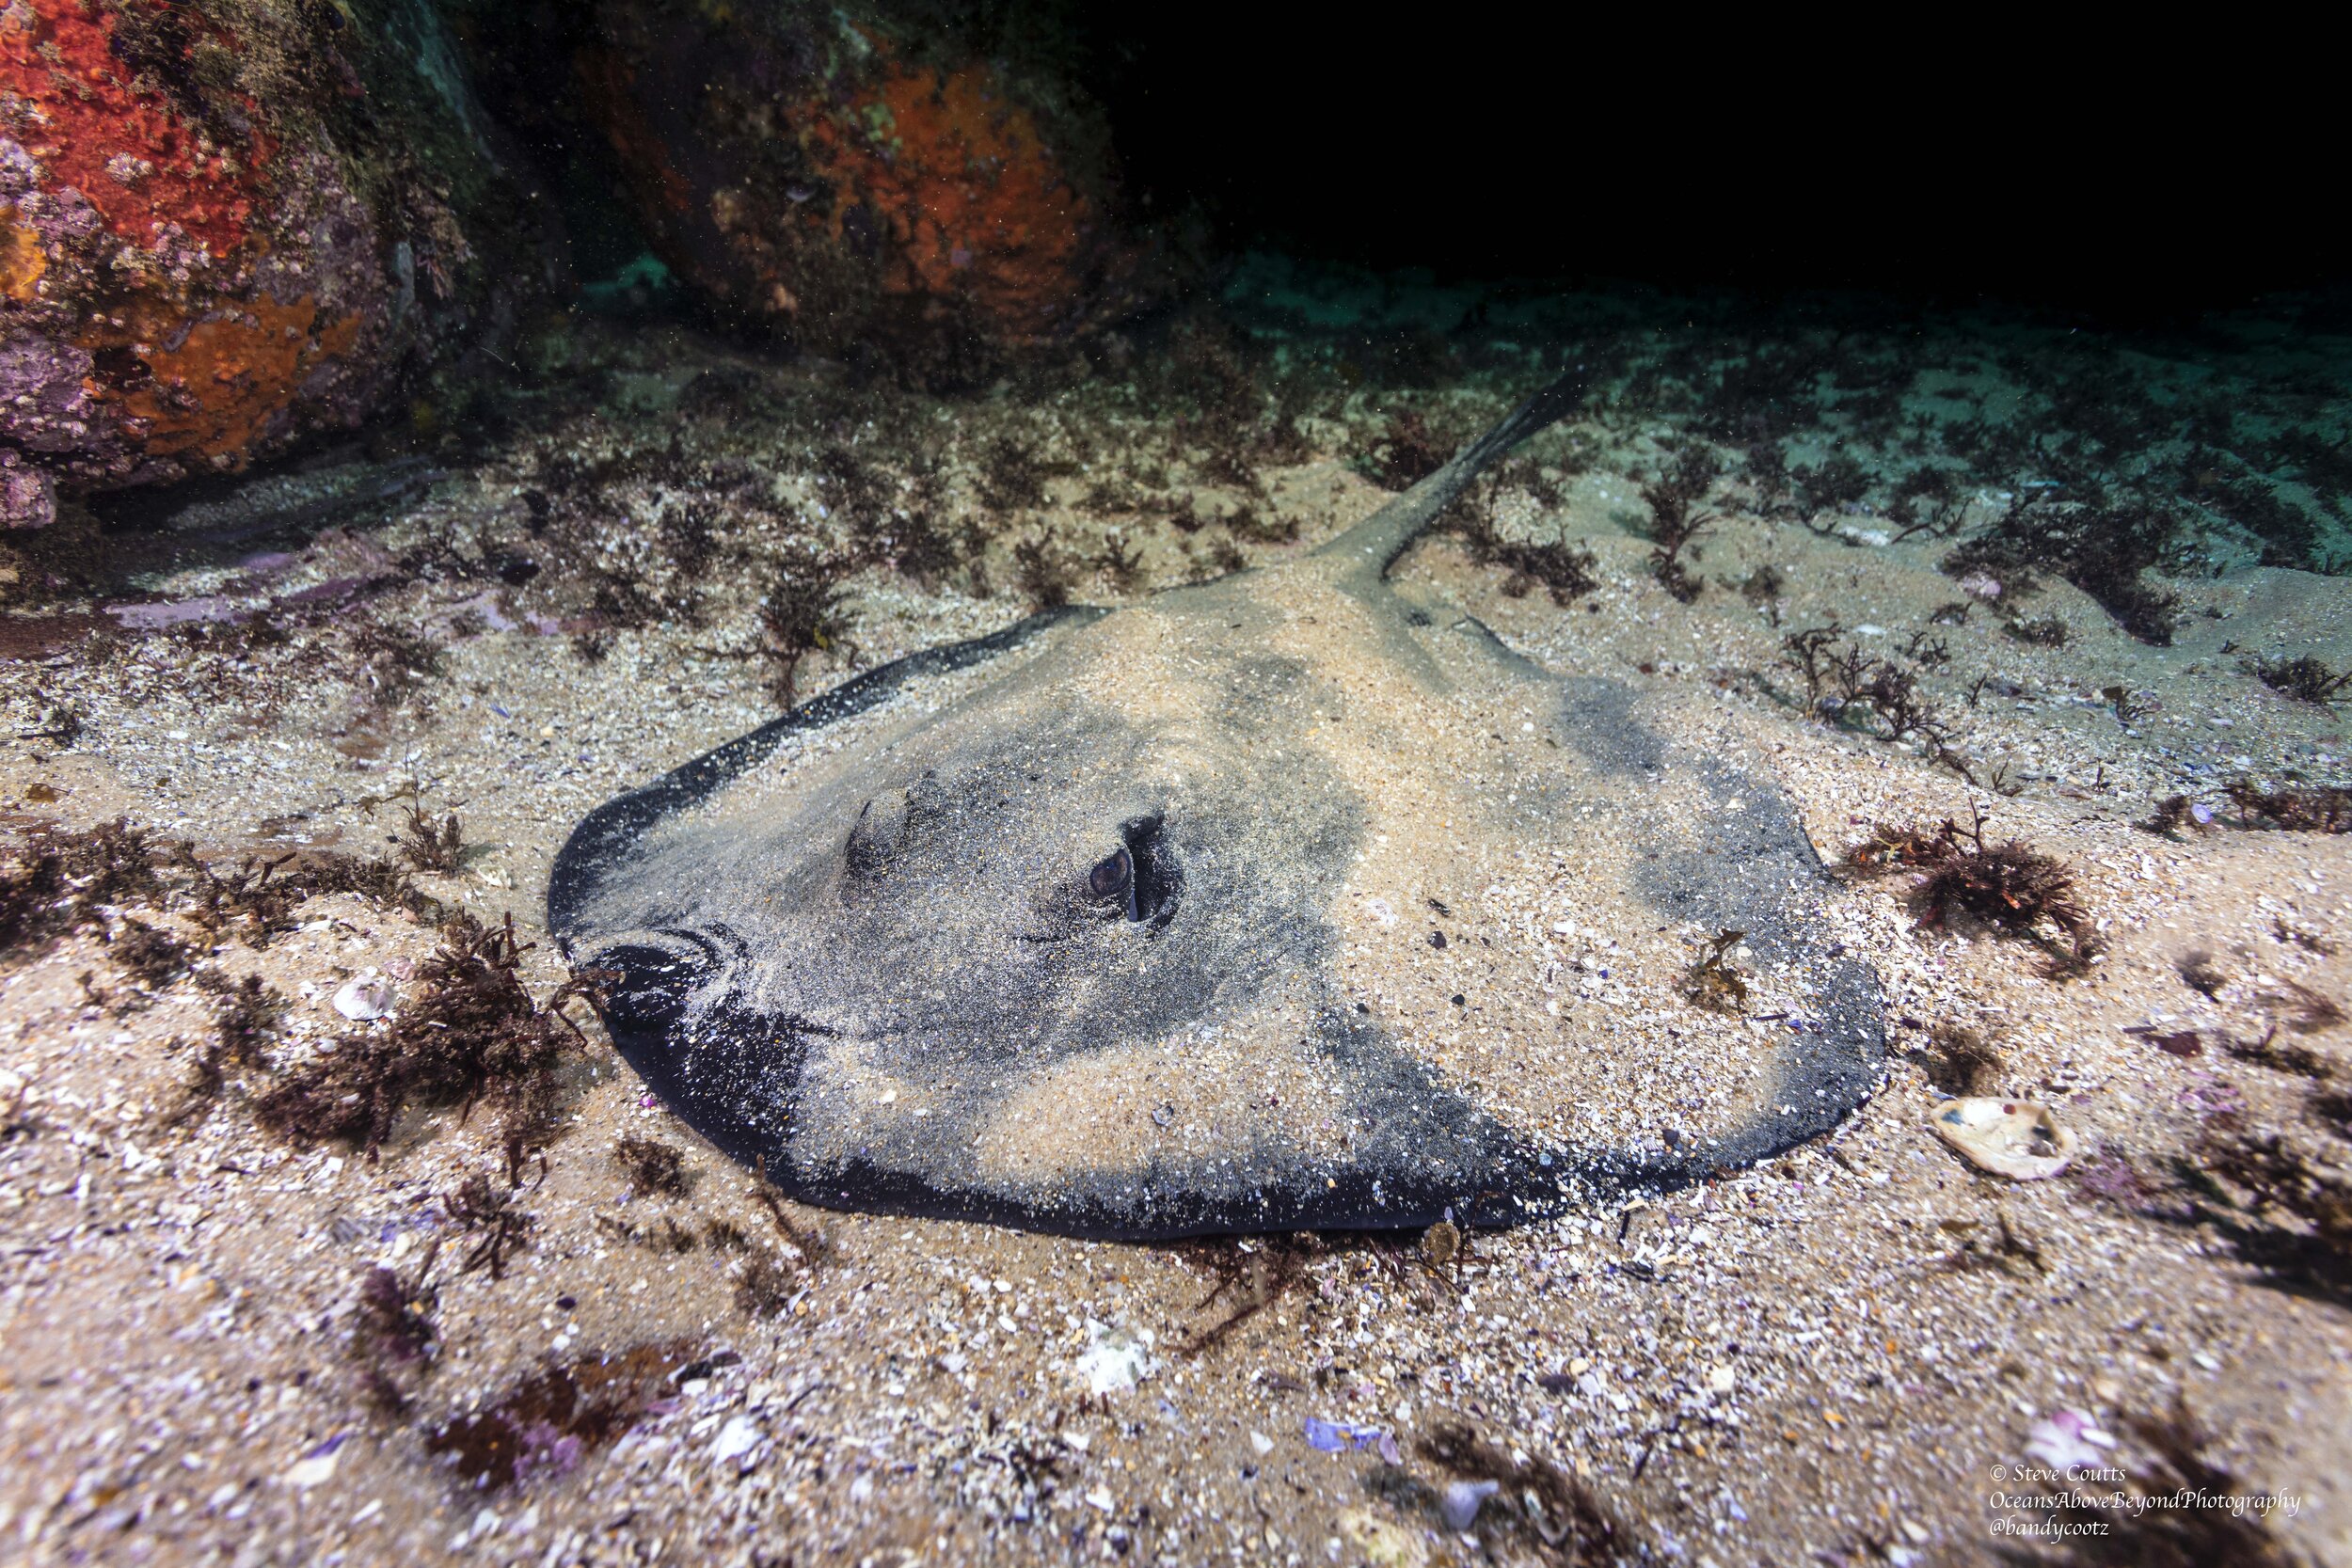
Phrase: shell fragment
[2008,1137]
[368,997]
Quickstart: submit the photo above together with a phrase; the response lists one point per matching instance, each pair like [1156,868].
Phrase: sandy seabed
[1842,1355]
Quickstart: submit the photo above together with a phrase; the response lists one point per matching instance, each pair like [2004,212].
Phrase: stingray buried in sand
[1285,901]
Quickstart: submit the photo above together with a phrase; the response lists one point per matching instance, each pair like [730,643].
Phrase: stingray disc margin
[1498,1179]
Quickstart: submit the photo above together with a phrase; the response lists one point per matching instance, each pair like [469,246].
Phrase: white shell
[369,996]
[2008,1137]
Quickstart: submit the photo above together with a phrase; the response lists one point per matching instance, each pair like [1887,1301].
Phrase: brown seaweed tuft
[1566,572]
[1256,1273]
[152,958]
[392,1332]
[1043,572]
[2283,1199]
[252,900]
[2304,679]
[1123,566]
[1011,477]
[2178,814]
[430,846]
[810,1243]
[474,1034]
[804,613]
[764,1285]
[1549,1508]
[2095,535]
[61,879]
[548,1421]
[2017,891]
[1253,1272]
[245,1024]
[1673,495]
[2295,808]
[1877,697]
[485,1208]
[653,1166]
[1406,452]
[1711,982]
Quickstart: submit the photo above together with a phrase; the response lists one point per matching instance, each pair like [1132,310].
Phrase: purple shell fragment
[1340,1437]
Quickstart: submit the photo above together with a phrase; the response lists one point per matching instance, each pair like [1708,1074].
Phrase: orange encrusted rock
[224,223]
[859,182]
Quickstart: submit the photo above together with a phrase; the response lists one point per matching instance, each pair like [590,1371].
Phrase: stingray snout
[653,976]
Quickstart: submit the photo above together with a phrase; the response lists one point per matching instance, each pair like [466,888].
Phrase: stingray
[1290,901]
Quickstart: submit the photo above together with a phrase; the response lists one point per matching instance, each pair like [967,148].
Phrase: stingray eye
[1137,880]
[1114,878]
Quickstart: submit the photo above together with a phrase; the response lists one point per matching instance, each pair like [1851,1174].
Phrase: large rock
[884,177]
[227,224]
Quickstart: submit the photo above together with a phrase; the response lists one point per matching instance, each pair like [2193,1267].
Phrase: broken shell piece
[1981,585]
[1115,1360]
[1462,1502]
[2065,1438]
[315,1467]
[739,1436]
[1382,1543]
[2008,1137]
[370,996]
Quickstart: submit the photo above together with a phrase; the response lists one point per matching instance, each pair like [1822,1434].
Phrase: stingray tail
[1373,544]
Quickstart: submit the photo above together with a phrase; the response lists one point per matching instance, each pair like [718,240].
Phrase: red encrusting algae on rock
[224,389]
[224,225]
[971,197]
[864,183]
[124,145]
